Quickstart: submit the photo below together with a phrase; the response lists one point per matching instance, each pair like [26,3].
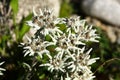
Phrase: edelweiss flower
[63,46]
[85,76]
[81,61]
[88,34]
[45,22]
[73,23]
[55,64]
[37,46]
[74,40]
[81,64]
[78,27]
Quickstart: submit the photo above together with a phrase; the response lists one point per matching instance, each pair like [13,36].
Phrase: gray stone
[106,10]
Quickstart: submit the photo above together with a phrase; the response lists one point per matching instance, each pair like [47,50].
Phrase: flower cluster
[69,59]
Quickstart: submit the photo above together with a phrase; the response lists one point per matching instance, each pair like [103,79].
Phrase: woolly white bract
[1,69]
[69,61]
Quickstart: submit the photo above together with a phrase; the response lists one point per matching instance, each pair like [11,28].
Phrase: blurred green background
[107,68]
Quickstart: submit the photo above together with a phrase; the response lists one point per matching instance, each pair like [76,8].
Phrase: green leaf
[24,27]
[66,9]
[14,5]
[42,76]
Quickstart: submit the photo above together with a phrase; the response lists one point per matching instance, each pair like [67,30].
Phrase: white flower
[64,45]
[84,32]
[55,64]
[37,46]
[88,34]
[85,76]
[81,64]
[74,40]
[45,22]
[74,23]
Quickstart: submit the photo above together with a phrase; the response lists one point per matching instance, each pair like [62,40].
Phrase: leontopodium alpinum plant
[69,59]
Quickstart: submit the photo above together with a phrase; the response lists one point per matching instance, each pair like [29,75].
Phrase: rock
[26,6]
[106,10]
[111,34]
[118,40]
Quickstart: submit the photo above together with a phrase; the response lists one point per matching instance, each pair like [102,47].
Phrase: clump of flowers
[68,59]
